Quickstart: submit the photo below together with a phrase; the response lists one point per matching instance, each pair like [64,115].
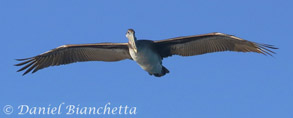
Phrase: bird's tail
[164,72]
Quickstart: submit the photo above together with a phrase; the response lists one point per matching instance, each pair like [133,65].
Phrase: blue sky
[216,85]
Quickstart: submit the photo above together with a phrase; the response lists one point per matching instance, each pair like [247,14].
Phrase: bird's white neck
[132,42]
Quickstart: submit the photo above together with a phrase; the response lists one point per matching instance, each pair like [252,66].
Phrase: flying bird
[147,53]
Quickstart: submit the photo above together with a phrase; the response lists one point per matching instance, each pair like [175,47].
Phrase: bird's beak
[135,50]
[132,39]
[134,46]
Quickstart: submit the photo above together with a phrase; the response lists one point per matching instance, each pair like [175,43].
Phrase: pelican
[147,53]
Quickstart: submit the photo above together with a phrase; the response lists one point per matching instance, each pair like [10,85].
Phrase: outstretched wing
[208,43]
[67,54]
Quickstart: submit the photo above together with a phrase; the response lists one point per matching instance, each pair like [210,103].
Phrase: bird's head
[130,34]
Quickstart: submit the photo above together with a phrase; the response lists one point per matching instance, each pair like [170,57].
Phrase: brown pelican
[148,54]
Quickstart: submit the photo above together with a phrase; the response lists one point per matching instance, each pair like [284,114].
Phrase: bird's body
[147,58]
[148,54]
